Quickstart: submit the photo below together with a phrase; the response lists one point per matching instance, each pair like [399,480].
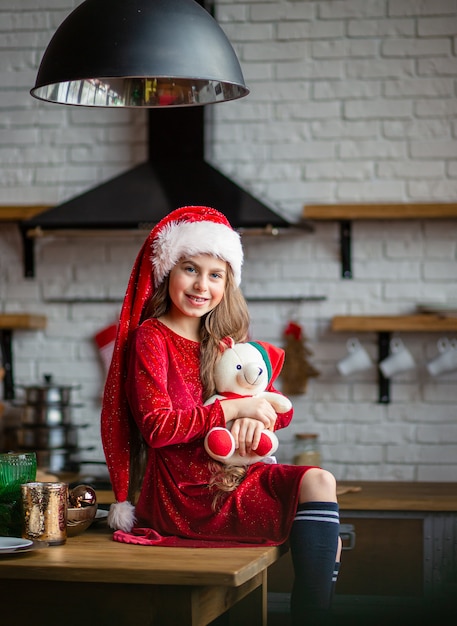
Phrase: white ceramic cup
[399,360]
[357,360]
[446,361]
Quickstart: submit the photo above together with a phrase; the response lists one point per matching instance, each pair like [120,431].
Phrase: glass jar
[307,449]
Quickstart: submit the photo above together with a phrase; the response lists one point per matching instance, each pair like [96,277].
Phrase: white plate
[100,514]
[13,543]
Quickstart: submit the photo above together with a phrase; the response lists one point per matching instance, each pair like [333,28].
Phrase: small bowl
[79,519]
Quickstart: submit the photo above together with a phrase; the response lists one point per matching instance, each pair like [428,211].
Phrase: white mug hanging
[356,360]
[446,361]
[399,360]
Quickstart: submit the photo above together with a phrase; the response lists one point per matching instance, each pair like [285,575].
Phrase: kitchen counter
[407,529]
[410,531]
[398,496]
[405,543]
[91,575]
[380,496]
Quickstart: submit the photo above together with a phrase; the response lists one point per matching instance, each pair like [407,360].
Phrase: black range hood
[176,174]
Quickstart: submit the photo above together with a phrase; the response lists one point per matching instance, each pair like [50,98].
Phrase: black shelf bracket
[28,251]
[345,245]
[6,336]
[383,352]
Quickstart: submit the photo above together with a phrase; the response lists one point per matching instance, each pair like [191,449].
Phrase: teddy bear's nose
[252,373]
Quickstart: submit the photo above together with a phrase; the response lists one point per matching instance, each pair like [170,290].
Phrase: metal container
[58,460]
[46,426]
[45,512]
[43,437]
[47,415]
[48,394]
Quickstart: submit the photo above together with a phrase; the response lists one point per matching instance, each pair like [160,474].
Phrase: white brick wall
[351,101]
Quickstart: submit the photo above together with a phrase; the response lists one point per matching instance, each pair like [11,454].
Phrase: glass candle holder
[44,508]
[16,468]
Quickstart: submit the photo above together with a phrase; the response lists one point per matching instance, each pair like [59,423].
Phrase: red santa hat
[187,231]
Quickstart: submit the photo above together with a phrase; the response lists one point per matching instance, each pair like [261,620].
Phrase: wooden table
[94,580]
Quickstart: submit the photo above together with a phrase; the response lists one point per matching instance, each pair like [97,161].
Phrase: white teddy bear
[246,369]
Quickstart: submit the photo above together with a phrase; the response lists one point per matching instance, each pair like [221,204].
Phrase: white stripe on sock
[311,518]
[318,512]
[317,516]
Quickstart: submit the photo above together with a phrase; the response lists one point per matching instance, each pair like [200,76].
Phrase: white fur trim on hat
[179,239]
[121,516]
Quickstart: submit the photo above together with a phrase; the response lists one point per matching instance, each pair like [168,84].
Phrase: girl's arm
[164,400]
[256,408]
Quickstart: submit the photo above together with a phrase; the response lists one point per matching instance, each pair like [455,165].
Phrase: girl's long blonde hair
[230,318]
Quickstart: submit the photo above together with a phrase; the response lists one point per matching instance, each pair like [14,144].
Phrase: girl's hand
[255,408]
[246,432]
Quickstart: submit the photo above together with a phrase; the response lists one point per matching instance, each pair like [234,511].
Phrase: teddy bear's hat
[273,357]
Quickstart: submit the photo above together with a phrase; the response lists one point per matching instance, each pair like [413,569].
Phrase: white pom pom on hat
[121,516]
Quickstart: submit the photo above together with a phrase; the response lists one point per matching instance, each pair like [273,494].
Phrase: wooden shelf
[379,211]
[392,323]
[22,321]
[17,213]
[384,325]
[346,213]
[8,323]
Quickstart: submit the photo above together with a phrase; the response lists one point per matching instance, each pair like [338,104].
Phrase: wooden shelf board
[22,321]
[15,213]
[374,211]
[394,323]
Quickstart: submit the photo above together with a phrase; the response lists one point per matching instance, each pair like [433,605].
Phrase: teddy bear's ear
[226,342]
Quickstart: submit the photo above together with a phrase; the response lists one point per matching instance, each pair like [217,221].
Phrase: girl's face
[197,285]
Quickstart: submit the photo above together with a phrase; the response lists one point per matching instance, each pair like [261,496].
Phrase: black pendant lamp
[139,53]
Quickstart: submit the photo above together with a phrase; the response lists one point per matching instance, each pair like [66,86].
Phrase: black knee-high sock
[313,545]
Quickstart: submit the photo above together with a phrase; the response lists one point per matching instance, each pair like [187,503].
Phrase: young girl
[183,298]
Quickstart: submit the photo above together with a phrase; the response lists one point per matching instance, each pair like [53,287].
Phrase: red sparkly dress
[165,396]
